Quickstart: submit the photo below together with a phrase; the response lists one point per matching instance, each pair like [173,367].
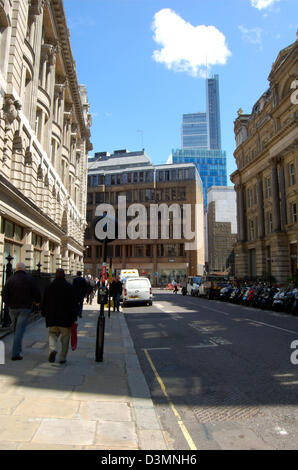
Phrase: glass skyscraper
[201,141]
[194,131]
[213,113]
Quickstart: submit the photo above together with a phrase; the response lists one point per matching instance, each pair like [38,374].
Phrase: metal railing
[43,280]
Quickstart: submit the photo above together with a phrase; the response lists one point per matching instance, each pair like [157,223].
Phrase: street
[220,375]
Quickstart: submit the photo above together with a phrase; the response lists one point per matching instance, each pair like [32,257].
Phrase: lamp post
[102,295]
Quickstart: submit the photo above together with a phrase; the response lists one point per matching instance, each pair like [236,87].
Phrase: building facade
[211,165]
[213,113]
[44,139]
[201,141]
[266,179]
[221,229]
[194,132]
[163,256]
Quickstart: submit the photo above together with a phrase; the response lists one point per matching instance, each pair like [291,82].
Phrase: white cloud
[252,36]
[261,4]
[186,48]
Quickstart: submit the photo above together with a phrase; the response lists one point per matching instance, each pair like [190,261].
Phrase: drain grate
[218,405]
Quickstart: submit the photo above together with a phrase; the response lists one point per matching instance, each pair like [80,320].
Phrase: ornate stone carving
[48,53]
[11,110]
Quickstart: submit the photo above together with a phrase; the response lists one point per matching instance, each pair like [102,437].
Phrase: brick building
[131,174]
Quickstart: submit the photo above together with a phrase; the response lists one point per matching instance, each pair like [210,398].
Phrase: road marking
[272,326]
[182,426]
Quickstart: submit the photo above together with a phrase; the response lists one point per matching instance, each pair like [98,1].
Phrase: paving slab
[81,405]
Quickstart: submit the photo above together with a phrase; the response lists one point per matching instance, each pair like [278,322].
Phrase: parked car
[137,289]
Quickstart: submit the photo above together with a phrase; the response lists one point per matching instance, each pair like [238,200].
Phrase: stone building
[131,174]
[44,139]
[266,179]
[221,228]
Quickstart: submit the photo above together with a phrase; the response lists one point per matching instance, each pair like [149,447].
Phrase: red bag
[74,336]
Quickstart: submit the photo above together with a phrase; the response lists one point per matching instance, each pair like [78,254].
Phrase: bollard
[100,330]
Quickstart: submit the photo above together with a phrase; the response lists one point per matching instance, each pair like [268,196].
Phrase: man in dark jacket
[60,311]
[116,290]
[19,294]
[80,287]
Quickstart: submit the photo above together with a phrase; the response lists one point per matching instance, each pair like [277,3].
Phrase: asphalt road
[220,375]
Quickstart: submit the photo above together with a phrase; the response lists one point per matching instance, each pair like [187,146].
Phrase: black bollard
[100,330]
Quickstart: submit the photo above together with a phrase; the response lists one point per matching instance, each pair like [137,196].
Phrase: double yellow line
[182,426]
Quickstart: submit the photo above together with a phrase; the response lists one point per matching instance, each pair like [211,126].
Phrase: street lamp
[102,296]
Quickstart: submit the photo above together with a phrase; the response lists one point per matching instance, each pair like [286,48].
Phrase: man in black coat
[60,311]
[80,287]
[19,294]
[116,290]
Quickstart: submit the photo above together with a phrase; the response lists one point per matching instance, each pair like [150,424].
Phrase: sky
[144,64]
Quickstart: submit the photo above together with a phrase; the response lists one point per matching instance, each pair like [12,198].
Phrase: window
[267,187]
[292,174]
[294,212]
[170,250]
[139,251]
[251,230]
[269,223]
[99,198]
[129,177]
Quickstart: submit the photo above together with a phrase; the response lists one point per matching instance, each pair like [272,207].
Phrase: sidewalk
[82,404]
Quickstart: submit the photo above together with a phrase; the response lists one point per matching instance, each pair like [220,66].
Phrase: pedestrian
[174,284]
[116,291]
[60,311]
[80,287]
[20,292]
[91,286]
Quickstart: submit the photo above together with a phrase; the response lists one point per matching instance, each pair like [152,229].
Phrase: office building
[221,229]
[266,179]
[201,141]
[132,174]
[213,113]
[194,131]
[44,139]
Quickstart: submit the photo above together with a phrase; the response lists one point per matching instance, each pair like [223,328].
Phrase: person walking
[175,285]
[80,287]
[116,290]
[59,308]
[20,292]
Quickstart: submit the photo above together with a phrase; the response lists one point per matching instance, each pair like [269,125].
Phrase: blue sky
[135,83]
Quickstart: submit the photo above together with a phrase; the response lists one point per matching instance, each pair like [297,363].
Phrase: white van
[126,273]
[137,289]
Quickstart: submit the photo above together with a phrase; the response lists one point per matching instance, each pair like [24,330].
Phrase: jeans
[19,318]
[116,300]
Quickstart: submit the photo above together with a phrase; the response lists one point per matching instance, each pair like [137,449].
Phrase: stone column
[45,256]
[28,250]
[1,252]
[275,199]
[65,261]
[57,258]
[261,207]
[241,214]
[283,198]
